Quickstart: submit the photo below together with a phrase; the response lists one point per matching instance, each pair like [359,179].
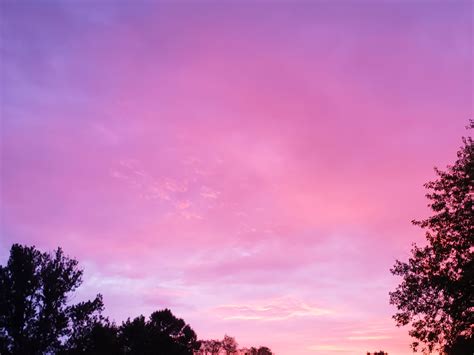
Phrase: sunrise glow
[253,166]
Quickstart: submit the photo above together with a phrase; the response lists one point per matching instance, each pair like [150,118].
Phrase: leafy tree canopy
[162,334]
[436,293]
[228,345]
[35,316]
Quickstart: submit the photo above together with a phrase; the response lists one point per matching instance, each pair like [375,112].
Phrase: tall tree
[436,295]
[162,334]
[35,316]
[133,336]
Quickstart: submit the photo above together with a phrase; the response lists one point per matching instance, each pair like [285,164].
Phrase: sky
[253,166]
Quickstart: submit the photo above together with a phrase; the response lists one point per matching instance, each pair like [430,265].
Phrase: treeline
[229,346]
[36,316]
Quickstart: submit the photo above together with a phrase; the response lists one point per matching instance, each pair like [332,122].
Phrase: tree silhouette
[229,345]
[462,346]
[436,294]
[162,334]
[94,338]
[211,347]
[263,350]
[215,346]
[35,317]
[133,336]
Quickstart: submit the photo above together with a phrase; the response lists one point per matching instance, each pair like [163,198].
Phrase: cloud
[207,192]
[151,187]
[330,348]
[183,205]
[369,337]
[272,310]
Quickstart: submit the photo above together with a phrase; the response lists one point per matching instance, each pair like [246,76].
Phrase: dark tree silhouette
[35,317]
[94,338]
[229,345]
[211,347]
[263,350]
[215,346]
[462,346]
[162,334]
[133,336]
[437,290]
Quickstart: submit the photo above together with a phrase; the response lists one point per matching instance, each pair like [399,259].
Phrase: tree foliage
[35,316]
[229,345]
[162,334]
[211,347]
[436,294]
[92,335]
[263,350]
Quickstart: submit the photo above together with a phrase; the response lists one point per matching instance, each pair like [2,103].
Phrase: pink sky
[252,166]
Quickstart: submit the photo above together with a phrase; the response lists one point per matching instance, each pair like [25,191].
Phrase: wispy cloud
[368,337]
[207,192]
[273,310]
[331,348]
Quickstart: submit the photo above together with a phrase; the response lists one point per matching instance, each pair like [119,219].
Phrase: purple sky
[253,166]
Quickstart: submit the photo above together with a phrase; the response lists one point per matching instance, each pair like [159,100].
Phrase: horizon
[254,167]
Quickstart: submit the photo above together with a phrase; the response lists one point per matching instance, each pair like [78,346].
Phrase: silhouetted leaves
[229,346]
[91,332]
[134,336]
[162,334]
[263,350]
[36,318]
[211,347]
[436,294]
[95,338]
[34,290]
[461,346]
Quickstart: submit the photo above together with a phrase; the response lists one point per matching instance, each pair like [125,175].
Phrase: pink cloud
[273,310]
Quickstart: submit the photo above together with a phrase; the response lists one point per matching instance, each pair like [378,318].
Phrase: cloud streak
[276,310]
